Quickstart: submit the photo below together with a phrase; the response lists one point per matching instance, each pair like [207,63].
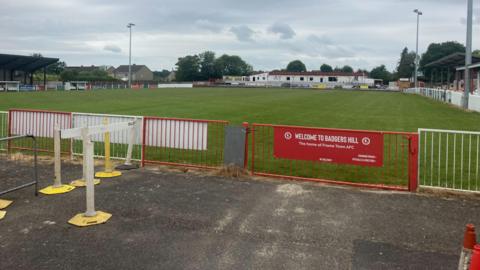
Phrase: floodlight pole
[468,54]
[130,25]
[416,51]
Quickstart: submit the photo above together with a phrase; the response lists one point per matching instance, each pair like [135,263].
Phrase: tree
[326,68]
[68,75]
[94,75]
[188,68]
[436,51]
[381,73]
[363,71]
[207,66]
[160,75]
[55,68]
[232,65]
[296,66]
[476,53]
[347,69]
[406,64]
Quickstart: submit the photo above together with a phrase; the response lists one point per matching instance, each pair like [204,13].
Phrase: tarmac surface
[174,220]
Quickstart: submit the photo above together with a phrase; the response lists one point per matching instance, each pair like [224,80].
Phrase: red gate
[384,160]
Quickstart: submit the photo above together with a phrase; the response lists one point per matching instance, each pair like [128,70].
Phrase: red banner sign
[328,145]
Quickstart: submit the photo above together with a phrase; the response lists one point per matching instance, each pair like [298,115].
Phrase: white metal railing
[118,140]
[448,96]
[449,159]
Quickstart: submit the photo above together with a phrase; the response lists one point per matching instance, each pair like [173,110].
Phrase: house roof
[24,63]
[135,68]
[314,73]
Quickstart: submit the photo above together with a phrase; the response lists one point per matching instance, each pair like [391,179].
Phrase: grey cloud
[323,40]
[243,33]
[476,17]
[204,24]
[112,48]
[168,29]
[283,29]
[322,46]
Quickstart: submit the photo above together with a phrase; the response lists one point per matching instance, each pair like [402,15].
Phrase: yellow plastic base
[50,190]
[82,183]
[108,174]
[81,220]
[5,203]
[2,214]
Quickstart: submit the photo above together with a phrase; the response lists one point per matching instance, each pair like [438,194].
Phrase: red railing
[183,142]
[398,171]
[38,123]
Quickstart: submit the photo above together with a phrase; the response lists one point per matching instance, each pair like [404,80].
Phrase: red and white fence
[40,124]
[186,142]
[200,144]
[385,160]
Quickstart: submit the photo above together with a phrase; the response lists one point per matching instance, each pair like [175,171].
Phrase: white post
[416,51]
[89,168]
[58,162]
[468,54]
[132,139]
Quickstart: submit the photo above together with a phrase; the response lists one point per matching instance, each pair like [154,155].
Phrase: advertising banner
[362,148]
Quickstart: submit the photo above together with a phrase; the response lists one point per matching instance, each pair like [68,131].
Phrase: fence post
[413,163]
[9,132]
[247,130]
[144,135]
[252,130]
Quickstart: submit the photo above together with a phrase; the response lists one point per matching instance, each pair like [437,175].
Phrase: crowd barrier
[169,141]
[447,96]
[448,159]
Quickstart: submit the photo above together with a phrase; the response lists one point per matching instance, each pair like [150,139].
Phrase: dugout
[21,68]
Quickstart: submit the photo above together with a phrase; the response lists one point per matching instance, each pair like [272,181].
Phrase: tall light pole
[468,54]
[419,13]
[130,25]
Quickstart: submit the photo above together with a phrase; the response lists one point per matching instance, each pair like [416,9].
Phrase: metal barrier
[16,166]
[449,159]
[3,127]
[38,123]
[397,172]
[183,142]
[447,96]
[118,140]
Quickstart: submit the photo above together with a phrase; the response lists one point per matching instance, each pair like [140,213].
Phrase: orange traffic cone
[470,238]
[469,241]
[475,262]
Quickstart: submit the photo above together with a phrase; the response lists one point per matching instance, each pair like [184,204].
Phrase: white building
[310,79]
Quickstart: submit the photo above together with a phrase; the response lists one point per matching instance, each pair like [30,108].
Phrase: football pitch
[368,110]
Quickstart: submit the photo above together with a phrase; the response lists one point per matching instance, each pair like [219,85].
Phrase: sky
[267,34]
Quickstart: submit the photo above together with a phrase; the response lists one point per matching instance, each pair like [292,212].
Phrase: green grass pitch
[336,109]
